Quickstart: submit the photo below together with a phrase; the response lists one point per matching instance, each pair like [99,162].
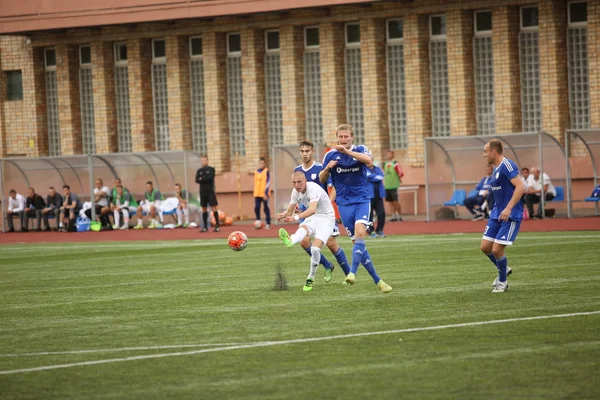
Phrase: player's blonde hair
[298,174]
[346,128]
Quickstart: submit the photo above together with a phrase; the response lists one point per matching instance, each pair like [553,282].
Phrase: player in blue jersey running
[347,165]
[505,219]
[311,170]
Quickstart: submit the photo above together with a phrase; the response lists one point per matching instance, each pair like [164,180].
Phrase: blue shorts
[353,214]
[503,232]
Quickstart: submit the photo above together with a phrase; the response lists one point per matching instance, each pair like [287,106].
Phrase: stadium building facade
[228,78]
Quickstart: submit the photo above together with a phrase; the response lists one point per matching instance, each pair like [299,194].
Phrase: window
[354,95]
[396,85]
[197,96]
[52,103]
[14,85]
[483,63]
[235,96]
[311,37]
[160,95]
[159,49]
[86,99]
[273,89]
[438,26]
[312,86]
[529,17]
[577,46]
[195,46]
[50,58]
[120,53]
[438,66]
[272,40]
[122,99]
[529,60]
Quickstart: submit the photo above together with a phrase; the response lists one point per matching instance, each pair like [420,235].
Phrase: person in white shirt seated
[534,191]
[101,204]
[16,206]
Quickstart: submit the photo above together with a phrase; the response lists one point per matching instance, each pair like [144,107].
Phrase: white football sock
[179,216]
[298,236]
[186,212]
[315,257]
[117,217]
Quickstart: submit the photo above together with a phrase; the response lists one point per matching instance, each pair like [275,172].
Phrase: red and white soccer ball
[237,241]
[258,224]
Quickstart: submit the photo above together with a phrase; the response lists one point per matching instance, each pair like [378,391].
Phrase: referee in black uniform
[205,177]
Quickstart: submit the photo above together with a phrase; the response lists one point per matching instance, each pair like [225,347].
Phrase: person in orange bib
[262,191]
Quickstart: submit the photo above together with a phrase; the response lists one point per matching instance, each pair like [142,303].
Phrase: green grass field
[193,319]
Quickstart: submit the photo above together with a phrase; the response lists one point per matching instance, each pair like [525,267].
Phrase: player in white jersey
[319,220]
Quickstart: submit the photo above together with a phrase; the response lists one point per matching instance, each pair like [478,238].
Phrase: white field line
[266,241]
[291,341]
[180,346]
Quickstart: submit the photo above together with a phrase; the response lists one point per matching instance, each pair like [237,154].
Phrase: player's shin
[366,262]
[314,261]
[492,259]
[502,268]
[298,236]
[117,217]
[323,261]
[358,250]
[340,256]
[125,217]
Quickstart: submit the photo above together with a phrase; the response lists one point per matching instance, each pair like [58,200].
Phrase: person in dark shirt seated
[54,202]
[33,208]
[475,203]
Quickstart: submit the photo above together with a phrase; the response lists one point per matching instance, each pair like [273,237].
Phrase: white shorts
[146,208]
[319,227]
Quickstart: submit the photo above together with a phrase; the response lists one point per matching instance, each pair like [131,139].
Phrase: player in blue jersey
[311,170]
[505,219]
[347,165]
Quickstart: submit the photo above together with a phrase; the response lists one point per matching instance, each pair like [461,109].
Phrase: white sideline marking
[292,341]
[181,346]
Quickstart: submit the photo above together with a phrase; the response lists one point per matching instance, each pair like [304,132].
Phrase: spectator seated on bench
[33,208]
[16,207]
[474,203]
[595,197]
[534,189]
[54,202]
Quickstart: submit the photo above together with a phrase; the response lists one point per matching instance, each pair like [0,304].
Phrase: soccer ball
[237,241]
[258,224]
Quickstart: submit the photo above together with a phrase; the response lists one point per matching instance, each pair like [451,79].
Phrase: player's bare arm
[287,213]
[311,210]
[360,157]
[324,174]
[516,197]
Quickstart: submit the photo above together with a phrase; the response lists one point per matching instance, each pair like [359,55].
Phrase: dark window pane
[196,44]
[483,21]
[86,54]
[235,43]
[438,25]
[122,54]
[50,57]
[353,33]
[273,40]
[578,12]
[529,17]
[395,30]
[14,85]
[159,48]
[312,36]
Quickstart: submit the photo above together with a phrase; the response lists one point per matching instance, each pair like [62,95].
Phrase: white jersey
[314,192]
[104,199]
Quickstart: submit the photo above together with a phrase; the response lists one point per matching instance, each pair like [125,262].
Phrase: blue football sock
[357,254]
[324,262]
[366,262]
[492,259]
[340,256]
[502,268]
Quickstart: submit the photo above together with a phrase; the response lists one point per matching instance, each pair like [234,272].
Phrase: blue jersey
[503,190]
[312,174]
[349,177]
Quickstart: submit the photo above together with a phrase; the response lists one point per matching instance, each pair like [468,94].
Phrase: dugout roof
[456,162]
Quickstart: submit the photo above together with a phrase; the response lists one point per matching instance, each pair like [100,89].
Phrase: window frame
[482,33]
[389,40]
[272,51]
[46,66]
[234,53]
[159,60]
[312,46]
[440,37]
[528,28]
[6,73]
[576,24]
[196,56]
[116,47]
[352,45]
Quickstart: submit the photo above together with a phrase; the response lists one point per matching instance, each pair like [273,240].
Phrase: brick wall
[178,87]
[291,39]
[105,114]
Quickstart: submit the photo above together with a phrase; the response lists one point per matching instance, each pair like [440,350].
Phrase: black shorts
[209,198]
[391,194]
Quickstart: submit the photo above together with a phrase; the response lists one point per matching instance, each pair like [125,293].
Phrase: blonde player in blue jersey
[311,170]
[505,219]
[347,165]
